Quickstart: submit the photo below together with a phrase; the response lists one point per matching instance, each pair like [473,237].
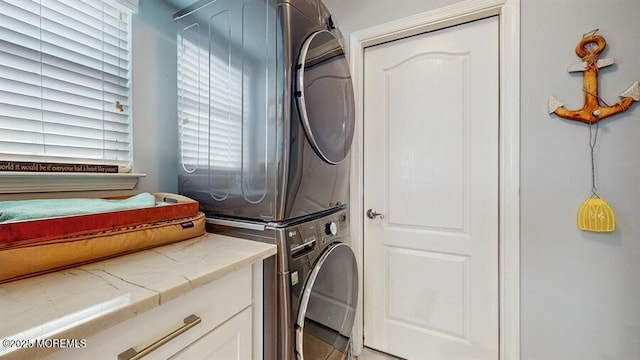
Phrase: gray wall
[155,97]
[354,15]
[580,292]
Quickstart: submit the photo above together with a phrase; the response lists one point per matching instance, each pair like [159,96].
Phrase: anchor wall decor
[594,214]
[592,111]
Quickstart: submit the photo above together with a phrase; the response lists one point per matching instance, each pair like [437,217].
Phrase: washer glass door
[328,306]
[325,96]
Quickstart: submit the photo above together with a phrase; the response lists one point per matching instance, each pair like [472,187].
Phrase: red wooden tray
[28,232]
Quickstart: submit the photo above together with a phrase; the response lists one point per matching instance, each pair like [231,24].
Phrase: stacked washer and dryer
[266,120]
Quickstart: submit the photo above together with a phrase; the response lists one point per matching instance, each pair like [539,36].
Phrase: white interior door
[431,117]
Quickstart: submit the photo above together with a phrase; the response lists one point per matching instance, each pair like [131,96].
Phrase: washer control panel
[331,228]
[307,237]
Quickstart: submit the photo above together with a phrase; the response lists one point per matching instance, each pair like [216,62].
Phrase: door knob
[371,214]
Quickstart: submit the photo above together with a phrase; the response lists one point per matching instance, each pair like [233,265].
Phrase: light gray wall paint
[354,15]
[580,295]
[155,129]
[580,291]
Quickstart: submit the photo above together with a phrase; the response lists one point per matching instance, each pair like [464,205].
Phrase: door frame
[509,147]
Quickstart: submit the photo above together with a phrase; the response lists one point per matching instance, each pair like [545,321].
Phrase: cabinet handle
[131,354]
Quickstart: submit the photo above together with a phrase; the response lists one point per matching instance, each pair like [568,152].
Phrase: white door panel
[431,168]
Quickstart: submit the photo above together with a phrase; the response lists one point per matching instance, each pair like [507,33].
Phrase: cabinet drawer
[231,340]
[213,303]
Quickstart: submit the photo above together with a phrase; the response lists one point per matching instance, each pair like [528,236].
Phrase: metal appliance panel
[300,245]
[243,150]
[228,106]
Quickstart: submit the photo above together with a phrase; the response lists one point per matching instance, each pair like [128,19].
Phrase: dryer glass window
[325,96]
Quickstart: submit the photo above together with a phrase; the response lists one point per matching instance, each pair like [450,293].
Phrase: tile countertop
[82,301]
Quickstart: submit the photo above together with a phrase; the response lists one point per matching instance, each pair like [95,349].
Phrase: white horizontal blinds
[128,4]
[64,81]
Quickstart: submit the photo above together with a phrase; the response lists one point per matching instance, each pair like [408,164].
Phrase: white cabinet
[219,320]
[232,340]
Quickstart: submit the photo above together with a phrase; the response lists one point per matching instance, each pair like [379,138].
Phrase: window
[65,81]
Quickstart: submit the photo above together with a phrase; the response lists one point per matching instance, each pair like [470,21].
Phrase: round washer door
[328,306]
[325,96]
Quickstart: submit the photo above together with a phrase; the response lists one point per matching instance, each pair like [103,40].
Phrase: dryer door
[328,306]
[324,94]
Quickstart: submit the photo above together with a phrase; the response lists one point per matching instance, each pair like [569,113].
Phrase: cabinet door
[231,340]
[215,303]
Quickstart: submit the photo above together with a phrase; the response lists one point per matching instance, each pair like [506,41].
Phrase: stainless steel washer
[325,310]
[316,286]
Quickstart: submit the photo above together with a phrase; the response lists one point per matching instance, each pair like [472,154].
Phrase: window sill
[38,182]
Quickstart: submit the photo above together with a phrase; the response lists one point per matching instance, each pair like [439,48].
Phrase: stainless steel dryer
[316,282]
[266,112]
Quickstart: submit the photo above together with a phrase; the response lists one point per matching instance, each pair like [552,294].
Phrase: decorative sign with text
[56,167]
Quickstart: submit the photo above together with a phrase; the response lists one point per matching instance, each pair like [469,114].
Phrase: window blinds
[64,81]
